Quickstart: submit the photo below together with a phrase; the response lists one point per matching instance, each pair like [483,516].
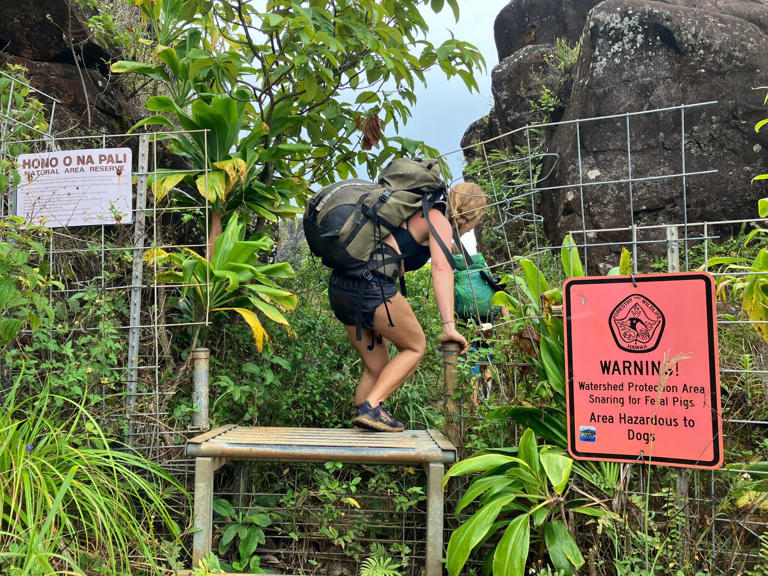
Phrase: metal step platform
[213,449]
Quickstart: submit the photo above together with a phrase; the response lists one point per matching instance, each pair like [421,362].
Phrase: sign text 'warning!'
[642,369]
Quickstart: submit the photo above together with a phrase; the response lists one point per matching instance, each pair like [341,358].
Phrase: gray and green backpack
[345,222]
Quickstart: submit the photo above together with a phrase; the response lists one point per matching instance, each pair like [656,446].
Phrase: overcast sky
[445,108]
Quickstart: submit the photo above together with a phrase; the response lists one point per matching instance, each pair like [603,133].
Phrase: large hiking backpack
[345,222]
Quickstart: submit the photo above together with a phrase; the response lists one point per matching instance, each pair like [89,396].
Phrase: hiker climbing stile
[374,309]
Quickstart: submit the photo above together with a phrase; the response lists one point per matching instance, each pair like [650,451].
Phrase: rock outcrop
[51,40]
[639,55]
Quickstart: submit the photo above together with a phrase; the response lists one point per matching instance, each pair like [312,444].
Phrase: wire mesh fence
[727,528]
[110,283]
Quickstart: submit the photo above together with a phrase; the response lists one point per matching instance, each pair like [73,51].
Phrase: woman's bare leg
[374,360]
[408,338]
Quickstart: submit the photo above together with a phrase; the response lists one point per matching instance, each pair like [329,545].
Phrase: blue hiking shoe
[376,419]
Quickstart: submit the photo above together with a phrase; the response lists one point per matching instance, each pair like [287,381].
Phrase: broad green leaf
[562,548]
[625,263]
[554,365]
[529,453]
[558,468]
[156,120]
[162,104]
[230,277]
[480,486]
[762,207]
[534,279]
[9,327]
[469,535]
[477,464]
[7,290]
[539,516]
[454,4]
[569,254]
[224,508]
[547,423]
[294,147]
[270,311]
[511,553]
[162,184]
[253,537]
[528,450]
[123,66]
[278,295]
[212,186]
[277,270]
[229,534]
[171,59]
[260,519]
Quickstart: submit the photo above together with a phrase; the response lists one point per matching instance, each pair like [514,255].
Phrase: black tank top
[414,254]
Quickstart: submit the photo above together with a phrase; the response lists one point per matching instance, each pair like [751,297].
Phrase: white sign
[75,187]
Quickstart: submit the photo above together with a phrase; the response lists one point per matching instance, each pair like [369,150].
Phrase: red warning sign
[642,369]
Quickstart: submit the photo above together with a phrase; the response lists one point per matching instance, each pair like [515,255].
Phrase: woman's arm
[442,279]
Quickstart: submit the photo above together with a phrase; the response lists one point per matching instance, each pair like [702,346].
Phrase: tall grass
[71,500]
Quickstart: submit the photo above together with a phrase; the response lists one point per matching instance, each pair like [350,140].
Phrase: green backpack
[473,289]
[346,221]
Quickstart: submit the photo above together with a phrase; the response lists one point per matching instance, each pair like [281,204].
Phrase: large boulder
[48,31]
[523,22]
[50,38]
[635,56]
[638,55]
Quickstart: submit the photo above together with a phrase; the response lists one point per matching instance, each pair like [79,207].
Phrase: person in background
[386,314]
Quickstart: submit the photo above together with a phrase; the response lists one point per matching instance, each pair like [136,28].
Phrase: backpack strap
[427,204]
[464,252]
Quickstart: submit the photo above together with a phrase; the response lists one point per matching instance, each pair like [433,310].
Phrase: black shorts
[346,294]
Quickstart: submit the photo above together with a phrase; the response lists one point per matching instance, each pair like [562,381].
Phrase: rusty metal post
[203,509]
[435,474]
[450,353]
[200,362]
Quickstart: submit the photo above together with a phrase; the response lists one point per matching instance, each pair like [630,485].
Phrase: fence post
[681,474]
[200,363]
[450,354]
[134,330]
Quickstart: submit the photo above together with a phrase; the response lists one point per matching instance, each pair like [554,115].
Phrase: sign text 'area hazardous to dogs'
[642,369]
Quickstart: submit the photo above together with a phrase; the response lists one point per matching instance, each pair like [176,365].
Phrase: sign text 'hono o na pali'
[642,369]
[75,187]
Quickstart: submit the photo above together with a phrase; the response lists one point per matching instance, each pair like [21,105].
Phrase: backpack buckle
[384,196]
[366,275]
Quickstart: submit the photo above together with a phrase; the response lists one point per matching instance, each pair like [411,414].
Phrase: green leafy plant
[27,121]
[293,62]
[748,281]
[245,530]
[518,490]
[380,563]
[23,278]
[70,498]
[207,566]
[232,280]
